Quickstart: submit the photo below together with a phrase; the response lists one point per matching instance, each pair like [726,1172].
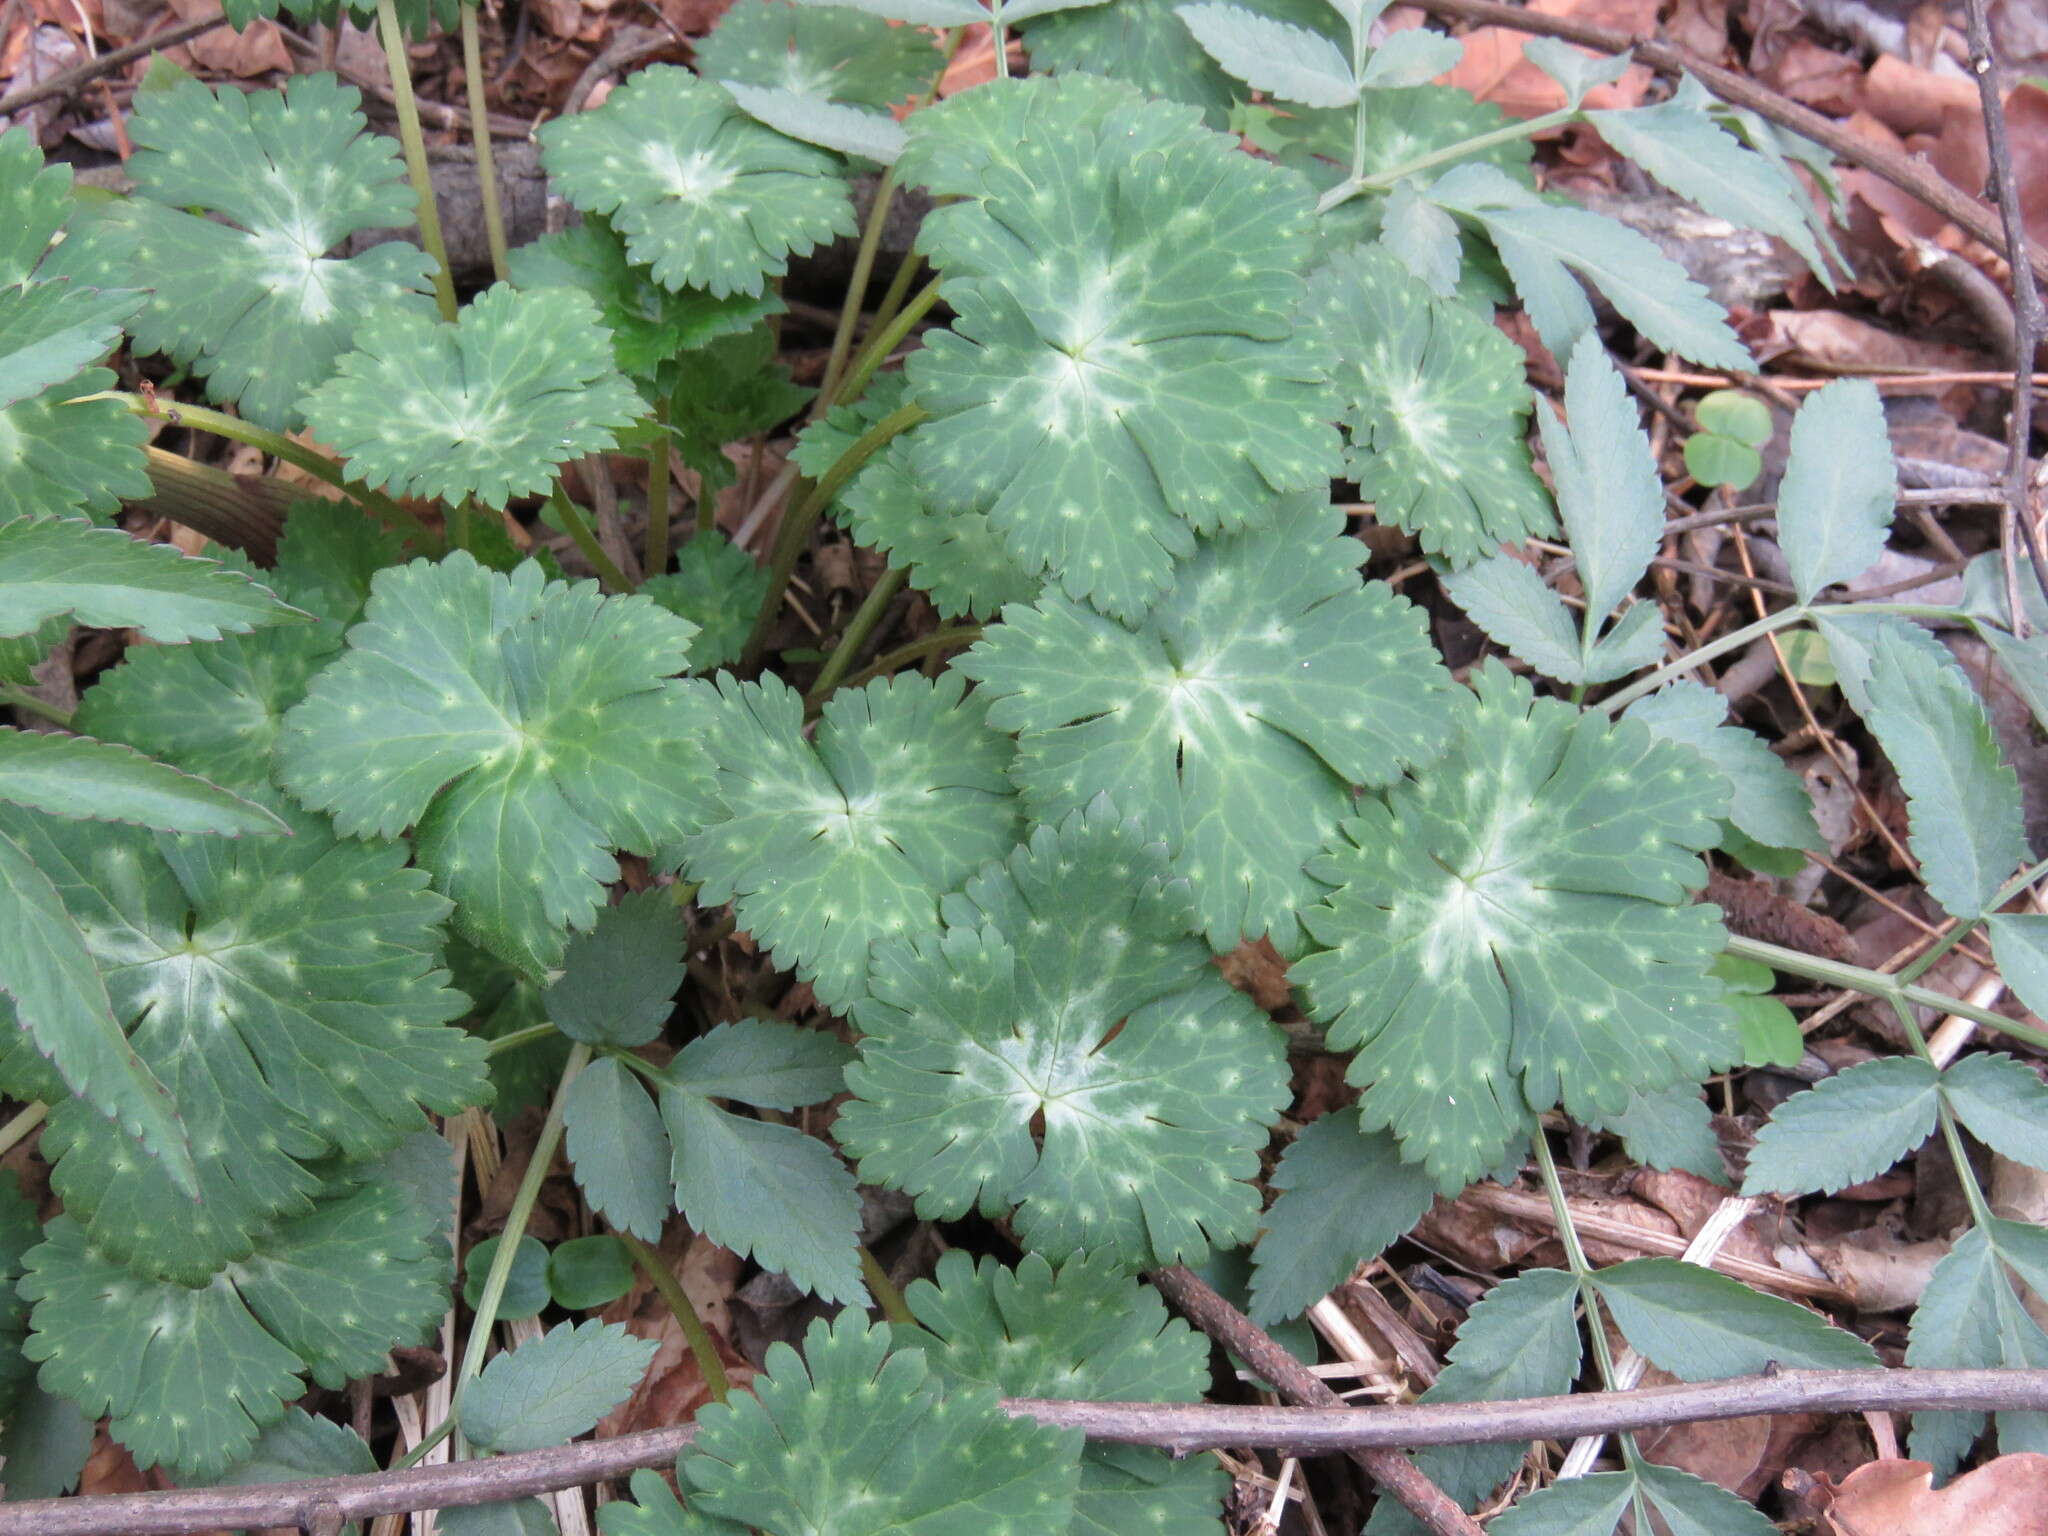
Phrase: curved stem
[414,143]
[858,629]
[856,292]
[1877,984]
[886,339]
[654,554]
[14,696]
[887,1296]
[480,136]
[278,446]
[1734,640]
[519,1037]
[916,650]
[608,574]
[16,1130]
[695,1334]
[1379,181]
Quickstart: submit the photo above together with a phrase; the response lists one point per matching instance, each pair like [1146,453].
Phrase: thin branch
[1905,172]
[1391,1471]
[106,64]
[1180,1428]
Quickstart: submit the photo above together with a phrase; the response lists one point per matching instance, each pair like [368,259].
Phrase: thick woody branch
[1180,1428]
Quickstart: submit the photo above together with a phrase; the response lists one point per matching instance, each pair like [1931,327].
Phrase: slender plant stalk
[856,294]
[1378,181]
[1877,984]
[858,630]
[519,1037]
[414,143]
[897,291]
[480,136]
[608,573]
[797,524]
[654,554]
[1964,927]
[16,697]
[1582,1270]
[516,1218]
[278,446]
[887,1296]
[695,1334]
[16,1130]
[916,650]
[886,339]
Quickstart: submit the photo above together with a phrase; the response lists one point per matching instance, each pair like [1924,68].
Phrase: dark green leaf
[1702,1326]
[1891,1103]
[589,1272]
[619,1148]
[526,1285]
[74,777]
[1835,504]
[619,981]
[2004,1104]
[553,1388]
[100,577]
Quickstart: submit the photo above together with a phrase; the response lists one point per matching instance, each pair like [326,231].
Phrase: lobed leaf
[1125,290]
[704,195]
[1835,503]
[525,727]
[1508,933]
[719,588]
[1235,720]
[1063,993]
[832,52]
[1608,490]
[1892,1102]
[1766,800]
[52,567]
[823,849]
[63,453]
[50,332]
[75,777]
[1435,402]
[551,1389]
[619,981]
[852,1439]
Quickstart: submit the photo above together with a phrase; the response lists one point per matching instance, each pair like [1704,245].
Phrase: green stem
[1582,1270]
[1379,181]
[1734,640]
[13,1133]
[460,535]
[523,1200]
[858,630]
[887,1296]
[897,291]
[917,650]
[856,293]
[654,555]
[414,144]
[797,524]
[278,446]
[695,1334]
[1877,984]
[519,1037]
[886,339]
[608,574]
[480,136]
[434,1437]
[1964,927]
[1973,1192]
[16,697]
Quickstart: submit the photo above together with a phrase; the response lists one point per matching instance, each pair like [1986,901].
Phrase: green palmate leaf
[619,1148]
[1288,63]
[1766,801]
[489,407]
[956,558]
[1542,244]
[60,454]
[717,587]
[1964,802]
[2019,942]
[52,986]
[1063,993]
[53,331]
[650,325]
[527,727]
[1126,287]
[1608,491]
[1235,721]
[728,389]
[1507,933]
[656,1511]
[1088,1332]
[823,849]
[553,1388]
[1146,43]
[1679,144]
[1836,500]
[1520,1340]
[192,1374]
[589,1272]
[619,981]
[1891,1102]
[1436,404]
[2004,1104]
[1700,1326]
[828,51]
[703,194]
[1344,1197]
[1673,1128]
[98,781]
[766,1190]
[284,990]
[51,567]
[38,201]
[250,299]
[851,1440]
[46,1441]
[1970,1316]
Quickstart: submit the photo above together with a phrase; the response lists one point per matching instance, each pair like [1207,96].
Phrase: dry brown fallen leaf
[2004,1497]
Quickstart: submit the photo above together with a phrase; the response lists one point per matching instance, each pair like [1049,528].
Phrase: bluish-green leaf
[1608,491]
[51,567]
[1766,799]
[1288,63]
[87,780]
[2004,1104]
[1835,503]
[764,1062]
[553,1388]
[1891,1105]
[619,1148]
[619,981]
[1702,1326]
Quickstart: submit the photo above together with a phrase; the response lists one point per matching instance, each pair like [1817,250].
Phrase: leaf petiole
[1877,984]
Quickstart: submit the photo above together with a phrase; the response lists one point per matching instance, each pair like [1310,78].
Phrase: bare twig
[1905,172]
[1182,1429]
[69,80]
[1393,1472]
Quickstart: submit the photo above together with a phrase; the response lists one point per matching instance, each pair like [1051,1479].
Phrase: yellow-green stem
[916,650]
[609,576]
[887,1297]
[414,143]
[858,629]
[480,136]
[856,292]
[654,554]
[886,340]
[1856,978]
[695,1334]
[13,696]
[1582,1270]
[16,1130]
